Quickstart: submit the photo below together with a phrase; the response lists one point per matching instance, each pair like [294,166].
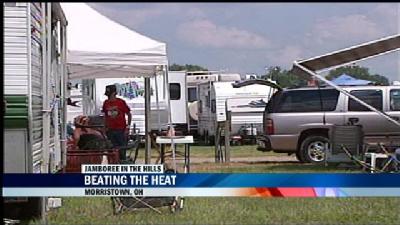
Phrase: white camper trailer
[132,91]
[35,82]
[213,99]
[193,80]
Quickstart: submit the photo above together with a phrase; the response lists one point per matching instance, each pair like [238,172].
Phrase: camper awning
[312,67]
[348,55]
[256,81]
[98,47]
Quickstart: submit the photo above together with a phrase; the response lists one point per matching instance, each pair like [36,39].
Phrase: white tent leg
[147,120]
[170,118]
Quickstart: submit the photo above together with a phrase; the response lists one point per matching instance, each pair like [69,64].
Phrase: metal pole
[227,137]
[170,116]
[46,46]
[347,94]
[48,75]
[147,120]
[65,91]
[158,105]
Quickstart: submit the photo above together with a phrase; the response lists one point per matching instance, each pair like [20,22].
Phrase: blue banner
[212,180]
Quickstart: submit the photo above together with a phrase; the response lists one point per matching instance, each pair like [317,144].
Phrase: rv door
[178,99]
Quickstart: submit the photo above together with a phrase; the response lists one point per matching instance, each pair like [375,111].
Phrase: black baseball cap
[110,89]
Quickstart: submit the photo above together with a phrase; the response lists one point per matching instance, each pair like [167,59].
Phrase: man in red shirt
[115,110]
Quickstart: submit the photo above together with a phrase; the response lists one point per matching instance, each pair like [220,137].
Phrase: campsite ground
[239,210]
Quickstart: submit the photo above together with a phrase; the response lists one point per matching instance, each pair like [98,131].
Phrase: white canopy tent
[101,48]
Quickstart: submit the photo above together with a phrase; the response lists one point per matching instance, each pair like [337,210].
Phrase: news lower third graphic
[152,181]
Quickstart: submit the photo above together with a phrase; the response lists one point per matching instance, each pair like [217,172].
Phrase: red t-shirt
[115,111]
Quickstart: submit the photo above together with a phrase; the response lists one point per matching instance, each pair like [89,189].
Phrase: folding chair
[133,203]
[391,163]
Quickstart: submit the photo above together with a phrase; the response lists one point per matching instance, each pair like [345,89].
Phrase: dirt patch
[266,159]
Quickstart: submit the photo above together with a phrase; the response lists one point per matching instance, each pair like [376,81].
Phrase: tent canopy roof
[98,47]
[345,79]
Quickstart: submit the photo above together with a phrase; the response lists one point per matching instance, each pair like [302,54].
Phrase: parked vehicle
[298,120]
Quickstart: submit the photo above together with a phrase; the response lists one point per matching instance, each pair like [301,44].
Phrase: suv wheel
[313,149]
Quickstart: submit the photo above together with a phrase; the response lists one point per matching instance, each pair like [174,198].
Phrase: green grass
[262,167]
[236,210]
[239,210]
[236,151]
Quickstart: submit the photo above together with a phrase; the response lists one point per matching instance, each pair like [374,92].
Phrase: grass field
[239,210]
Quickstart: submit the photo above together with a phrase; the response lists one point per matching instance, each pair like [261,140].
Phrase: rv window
[395,100]
[371,97]
[174,91]
[10,4]
[213,106]
[192,94]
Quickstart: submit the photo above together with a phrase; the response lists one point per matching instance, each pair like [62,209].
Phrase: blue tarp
[345,79]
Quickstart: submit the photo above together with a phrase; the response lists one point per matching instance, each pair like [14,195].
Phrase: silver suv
[298,120]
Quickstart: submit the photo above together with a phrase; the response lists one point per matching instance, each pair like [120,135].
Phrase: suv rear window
[304,101]
[371,97]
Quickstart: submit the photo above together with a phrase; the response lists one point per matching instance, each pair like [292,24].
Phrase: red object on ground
[75,158]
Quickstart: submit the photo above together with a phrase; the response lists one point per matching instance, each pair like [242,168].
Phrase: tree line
[285,78]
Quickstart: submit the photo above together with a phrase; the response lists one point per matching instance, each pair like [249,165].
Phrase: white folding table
[174,141]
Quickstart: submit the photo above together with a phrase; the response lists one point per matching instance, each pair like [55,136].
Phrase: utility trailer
[35,82]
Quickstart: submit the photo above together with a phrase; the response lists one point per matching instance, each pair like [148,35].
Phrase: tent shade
[98,47]
[345,79]
[349,55]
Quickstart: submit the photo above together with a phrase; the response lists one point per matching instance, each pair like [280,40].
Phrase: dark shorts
[118,139]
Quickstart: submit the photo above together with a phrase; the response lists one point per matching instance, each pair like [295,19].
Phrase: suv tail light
[269,126]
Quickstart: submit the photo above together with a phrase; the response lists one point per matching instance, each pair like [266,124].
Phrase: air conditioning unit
[349,136]
[251,76]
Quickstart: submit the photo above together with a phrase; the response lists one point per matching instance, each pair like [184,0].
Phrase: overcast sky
[247,37]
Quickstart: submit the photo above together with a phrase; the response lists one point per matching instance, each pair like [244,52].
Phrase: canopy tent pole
[157,105]
[312,73]
[147,120]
